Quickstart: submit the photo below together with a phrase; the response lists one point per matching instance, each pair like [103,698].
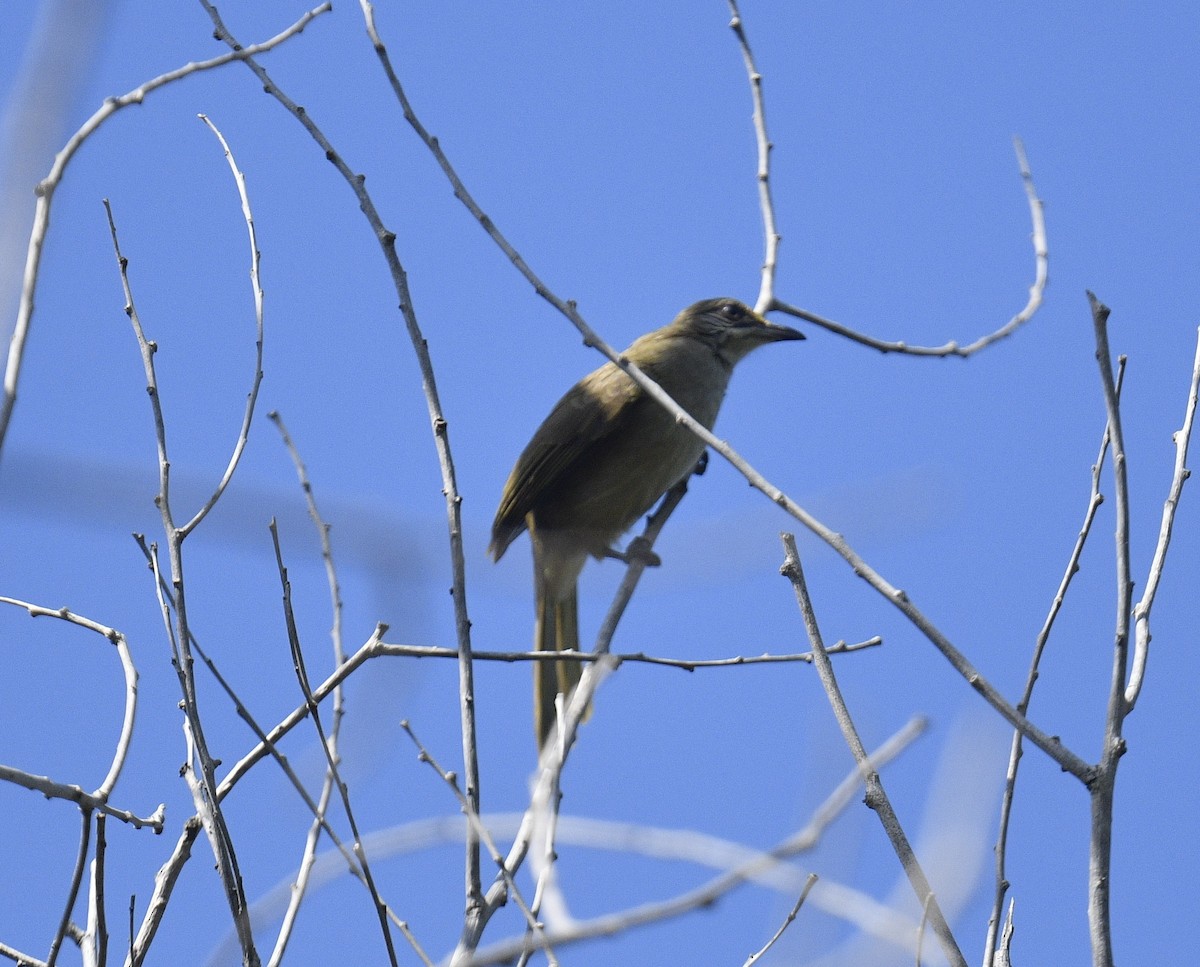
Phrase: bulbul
[602,458]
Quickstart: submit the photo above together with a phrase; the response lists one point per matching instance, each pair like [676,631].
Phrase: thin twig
[485,837]
[772,238]
[1037,290]
[1095,499]
[308,857]
[876,798]
[243,436]
[204,786]
[462,622]
[81,797]
[620,658]
[81,856]
[1141,611]
[298,664]
[128,669]
[808,885]
[21,959]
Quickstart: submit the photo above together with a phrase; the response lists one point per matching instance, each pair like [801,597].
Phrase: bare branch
[772,238]
[128,669]
[1104,786]
[252,397]
[1141,611]
[204,786]
[381,908]
[1095,499]
[755,957]
[1036,291]
[876,796]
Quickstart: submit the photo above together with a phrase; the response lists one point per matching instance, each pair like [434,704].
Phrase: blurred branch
[1141,611]
[876,798]
[45,195]
[755,867]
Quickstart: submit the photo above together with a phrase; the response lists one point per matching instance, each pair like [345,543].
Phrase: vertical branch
[441,434]
[298,664]
[314,833]
[1103,787]
[1141,611]
[766,291]
[876,797]
[204,787]
[73,891]
[1095,499]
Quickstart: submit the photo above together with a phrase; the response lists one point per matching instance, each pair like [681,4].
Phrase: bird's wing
[597,406]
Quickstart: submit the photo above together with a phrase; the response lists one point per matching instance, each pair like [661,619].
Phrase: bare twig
[387,243]
[485,837]
[620,658]
[21,959]
[61,790]
[243,436]
[772,238]
[81,856]
[381,908]
[757,956]
[876,797]
[1036,291]
[204,786]
[1141,611]
[96,949]
[308,857]
[1095,499]
[128,669]
[48,185]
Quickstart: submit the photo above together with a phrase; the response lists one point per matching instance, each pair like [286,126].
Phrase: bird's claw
[638,550]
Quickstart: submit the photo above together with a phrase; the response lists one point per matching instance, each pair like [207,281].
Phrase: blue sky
[613,146]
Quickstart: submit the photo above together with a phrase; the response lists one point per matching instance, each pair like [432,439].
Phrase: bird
[604,456]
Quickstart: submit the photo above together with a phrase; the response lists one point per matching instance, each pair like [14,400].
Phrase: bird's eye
[731,310]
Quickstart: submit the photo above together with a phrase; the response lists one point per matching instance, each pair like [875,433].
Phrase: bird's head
[731,328]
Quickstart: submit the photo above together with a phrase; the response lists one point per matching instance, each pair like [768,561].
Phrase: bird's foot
[638,550]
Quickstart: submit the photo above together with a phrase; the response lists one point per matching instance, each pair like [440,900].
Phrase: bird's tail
[557,630]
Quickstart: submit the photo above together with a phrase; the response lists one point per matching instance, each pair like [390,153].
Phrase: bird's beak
[778,333]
